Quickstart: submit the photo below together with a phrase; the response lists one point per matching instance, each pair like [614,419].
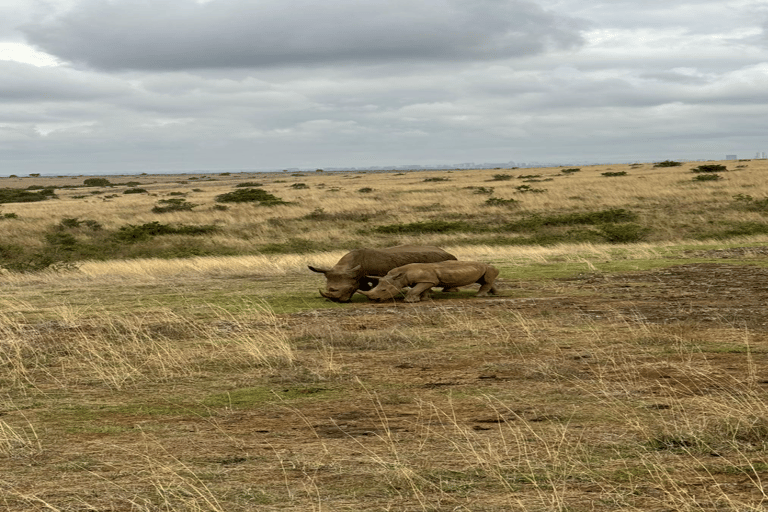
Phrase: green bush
[97,182]
[613,174]
[667,163]
[570,171]
[250,195]
[436,179]
[15,195]
[248,184]
[173,205]
[501,177]
[135,191]
[709,168]
[365,190]
[299,186]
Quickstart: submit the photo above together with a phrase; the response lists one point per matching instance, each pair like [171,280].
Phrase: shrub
[250,195]
[613,174]
[437,179]
[135,191]
[365,190]
[570,171]
[299,185]
[248,184]
[96,182]
[709,168]
[173,205]
[501,177]
[668,163]
[14,195]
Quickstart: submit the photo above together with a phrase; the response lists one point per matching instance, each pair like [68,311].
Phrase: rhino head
[342,284]
[384,289]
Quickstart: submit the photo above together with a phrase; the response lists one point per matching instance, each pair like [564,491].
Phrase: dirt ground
[409,426]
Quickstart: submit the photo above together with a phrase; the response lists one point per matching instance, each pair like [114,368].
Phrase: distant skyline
[173,86]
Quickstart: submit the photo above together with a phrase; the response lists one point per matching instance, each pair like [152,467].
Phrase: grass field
[184,360]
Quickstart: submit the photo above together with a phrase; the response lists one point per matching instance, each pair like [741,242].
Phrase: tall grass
[118,350]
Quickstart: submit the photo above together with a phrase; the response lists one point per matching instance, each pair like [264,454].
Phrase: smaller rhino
[421,277]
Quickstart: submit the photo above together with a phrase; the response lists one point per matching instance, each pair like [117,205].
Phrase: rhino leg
[418,292]
[487,282]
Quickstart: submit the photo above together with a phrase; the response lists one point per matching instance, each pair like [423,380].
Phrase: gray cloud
[165,85]
[183,34]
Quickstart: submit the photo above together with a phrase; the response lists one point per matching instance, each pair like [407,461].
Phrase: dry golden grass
[665,198]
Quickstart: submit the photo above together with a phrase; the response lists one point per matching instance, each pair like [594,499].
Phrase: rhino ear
[318,270]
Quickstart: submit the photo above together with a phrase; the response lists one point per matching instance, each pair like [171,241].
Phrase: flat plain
[162,348]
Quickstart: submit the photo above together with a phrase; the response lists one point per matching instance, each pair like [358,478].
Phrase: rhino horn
[318,270]
[364,292]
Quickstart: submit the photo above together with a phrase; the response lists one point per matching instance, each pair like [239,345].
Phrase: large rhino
[421,277]
[351,271]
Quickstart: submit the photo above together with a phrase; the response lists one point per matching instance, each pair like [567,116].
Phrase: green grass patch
[430,226]
[259,395]
[536,221]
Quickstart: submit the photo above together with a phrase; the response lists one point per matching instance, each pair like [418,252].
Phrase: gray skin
[421,277]
[360,269]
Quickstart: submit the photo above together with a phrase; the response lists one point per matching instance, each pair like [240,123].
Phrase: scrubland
[184,360]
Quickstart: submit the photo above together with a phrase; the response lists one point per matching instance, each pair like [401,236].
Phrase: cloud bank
[183,85]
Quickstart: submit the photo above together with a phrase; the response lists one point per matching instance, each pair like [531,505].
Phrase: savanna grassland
[163,345]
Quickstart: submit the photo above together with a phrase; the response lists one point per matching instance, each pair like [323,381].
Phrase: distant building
[731,157]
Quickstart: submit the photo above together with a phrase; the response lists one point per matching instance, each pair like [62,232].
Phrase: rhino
[361,268]
[421,277]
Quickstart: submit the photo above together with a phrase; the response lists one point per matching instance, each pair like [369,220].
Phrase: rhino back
[377,262]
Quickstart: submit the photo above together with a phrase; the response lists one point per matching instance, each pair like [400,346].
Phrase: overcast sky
[130,86]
